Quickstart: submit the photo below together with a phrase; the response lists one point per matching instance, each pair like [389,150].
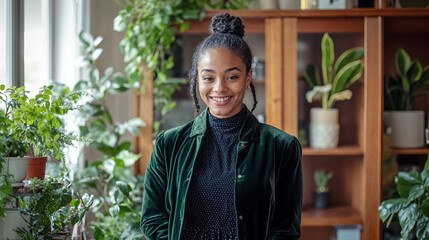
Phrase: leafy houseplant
[412,205]
[117,191]
[337,76]
[35,123]
[321,195]
[51,209]
[400,93]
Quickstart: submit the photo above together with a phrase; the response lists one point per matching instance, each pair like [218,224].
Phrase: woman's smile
[222,81]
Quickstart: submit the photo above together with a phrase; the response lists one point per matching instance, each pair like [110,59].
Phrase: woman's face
[222,81]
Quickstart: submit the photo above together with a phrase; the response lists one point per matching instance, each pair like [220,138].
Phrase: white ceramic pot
[17,166]
[290,4]
[268,4]
[407,128]
[324,128]
[12,221]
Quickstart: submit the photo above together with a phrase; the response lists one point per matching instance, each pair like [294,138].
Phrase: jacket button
[240,217]
[242,145]
[239,176]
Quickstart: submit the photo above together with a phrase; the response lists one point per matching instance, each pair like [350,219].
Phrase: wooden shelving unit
[410,151]
[357,163]
[333,216]
[339,151]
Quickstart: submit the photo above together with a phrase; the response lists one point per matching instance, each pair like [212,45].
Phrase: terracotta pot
[36,167]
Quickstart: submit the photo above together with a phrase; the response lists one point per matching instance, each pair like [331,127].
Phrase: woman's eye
[232,77]
[207,78]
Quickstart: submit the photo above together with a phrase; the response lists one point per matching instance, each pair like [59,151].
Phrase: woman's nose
[219,86]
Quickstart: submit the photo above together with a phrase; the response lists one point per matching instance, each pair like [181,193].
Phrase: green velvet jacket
[268,184]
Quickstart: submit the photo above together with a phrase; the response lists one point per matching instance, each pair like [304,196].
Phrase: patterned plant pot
[324,128]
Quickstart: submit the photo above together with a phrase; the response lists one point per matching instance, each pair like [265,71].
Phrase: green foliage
[117,192]
[150,27]
[337,75]
[400,92]
[5,190]
[35,122]
[321,180]
[51,208]
[412,205]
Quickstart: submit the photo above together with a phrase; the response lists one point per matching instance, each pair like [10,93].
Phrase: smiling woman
[202,176]
[221,86]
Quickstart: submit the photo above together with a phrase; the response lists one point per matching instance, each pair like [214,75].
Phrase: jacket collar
[249,131]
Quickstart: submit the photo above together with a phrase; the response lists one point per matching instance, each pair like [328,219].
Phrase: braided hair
[226,31]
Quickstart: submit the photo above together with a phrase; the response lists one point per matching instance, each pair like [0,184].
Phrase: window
[2,43]
[36,44]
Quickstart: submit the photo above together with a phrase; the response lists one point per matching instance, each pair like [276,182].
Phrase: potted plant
[337,77]
[321,195]
[412,205]
[407,126]
[12,148]
[34,124]
[50,210]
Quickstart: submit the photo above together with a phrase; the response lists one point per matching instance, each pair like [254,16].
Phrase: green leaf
[404,183]
[311,76]
[423,228]
[415,72]
[2,87]
[347,57]
[114,211]
[129,157]
[317,90]
[415,192]
[109,166]
[391,206]
[75,203]
[327,58]
[407,219]
[403,62]
[347,75]
[190,14]
[124,187]
[427,163]
[425,207]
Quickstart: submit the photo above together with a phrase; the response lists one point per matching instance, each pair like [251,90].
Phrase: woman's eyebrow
[231,69]
[207,70]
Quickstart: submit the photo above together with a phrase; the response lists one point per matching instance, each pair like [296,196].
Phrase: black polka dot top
[210,204]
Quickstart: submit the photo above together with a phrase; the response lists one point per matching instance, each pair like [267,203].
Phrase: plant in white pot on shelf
[407,126]
[337,76]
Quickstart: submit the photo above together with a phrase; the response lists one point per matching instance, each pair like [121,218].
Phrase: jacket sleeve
[154,220]
[288,202]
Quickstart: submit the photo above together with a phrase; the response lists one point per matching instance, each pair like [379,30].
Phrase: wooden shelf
[340,215]
[339,151]
[410,151]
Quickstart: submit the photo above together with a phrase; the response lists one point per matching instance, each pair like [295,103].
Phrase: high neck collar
[231,123]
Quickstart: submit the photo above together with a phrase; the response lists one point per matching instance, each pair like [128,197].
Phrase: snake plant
[400,92]
[337,75]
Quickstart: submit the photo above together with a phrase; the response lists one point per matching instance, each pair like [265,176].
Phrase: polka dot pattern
[210,211]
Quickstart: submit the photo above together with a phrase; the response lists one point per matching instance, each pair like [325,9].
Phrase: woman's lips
[220,101]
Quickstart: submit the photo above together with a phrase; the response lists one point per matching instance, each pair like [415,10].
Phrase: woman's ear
[249,78]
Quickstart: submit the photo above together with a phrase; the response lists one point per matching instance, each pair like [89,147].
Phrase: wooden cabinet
[357,162]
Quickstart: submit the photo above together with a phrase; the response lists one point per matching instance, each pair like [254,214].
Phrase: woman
[223,175]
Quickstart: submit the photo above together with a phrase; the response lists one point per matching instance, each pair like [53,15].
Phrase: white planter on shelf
[17,166]
[289,4]
[324,128]
[268,4]
[407,128]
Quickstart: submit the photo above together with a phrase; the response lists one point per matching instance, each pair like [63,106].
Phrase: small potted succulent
[321,195]
[407,125]
[412,205]
[337,76]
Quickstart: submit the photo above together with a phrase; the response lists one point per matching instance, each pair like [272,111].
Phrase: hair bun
[225,23]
